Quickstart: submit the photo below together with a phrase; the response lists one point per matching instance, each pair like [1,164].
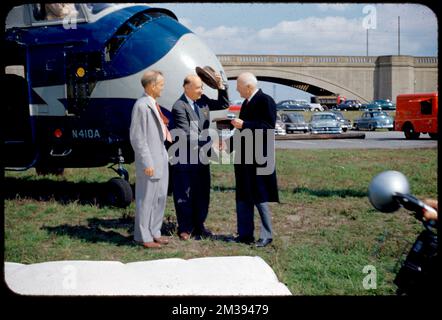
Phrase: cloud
[220,36]
[418,29]
[334,27]
[305,36]
[223,32]
[331,35]
[186,22]
[327,36]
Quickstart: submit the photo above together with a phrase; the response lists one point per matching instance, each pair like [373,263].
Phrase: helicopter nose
[185,56]
[164,45]
[132,48]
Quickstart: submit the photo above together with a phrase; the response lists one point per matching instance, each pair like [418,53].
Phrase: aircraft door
[17,124]
[82,71]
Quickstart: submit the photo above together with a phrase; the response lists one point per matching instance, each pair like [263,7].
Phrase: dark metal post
[367,42]
[399,35]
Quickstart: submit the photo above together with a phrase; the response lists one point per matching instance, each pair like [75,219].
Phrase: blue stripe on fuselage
[146,46]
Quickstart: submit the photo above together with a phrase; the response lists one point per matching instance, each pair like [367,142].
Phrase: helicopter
[71,84]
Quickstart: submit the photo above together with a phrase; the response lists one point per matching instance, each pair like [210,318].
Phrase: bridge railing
[228,59]
[239,59]
[425,60]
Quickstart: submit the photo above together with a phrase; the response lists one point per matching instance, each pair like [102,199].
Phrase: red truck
[417,113]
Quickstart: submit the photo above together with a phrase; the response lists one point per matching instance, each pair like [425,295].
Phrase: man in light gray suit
[147,135]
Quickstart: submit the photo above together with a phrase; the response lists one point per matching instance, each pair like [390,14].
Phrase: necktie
[196,108]
[165,123]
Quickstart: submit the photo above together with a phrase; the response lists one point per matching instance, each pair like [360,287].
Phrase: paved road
[373,140]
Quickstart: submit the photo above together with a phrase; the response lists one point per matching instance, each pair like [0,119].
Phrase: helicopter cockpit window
[96,8]
[128,28]
[43,12]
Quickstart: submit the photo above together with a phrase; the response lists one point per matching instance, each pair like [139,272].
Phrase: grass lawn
[325,229]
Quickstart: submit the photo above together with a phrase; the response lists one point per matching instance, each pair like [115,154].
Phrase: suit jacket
[258,113]
[184,114]
[185,118]
[147,137]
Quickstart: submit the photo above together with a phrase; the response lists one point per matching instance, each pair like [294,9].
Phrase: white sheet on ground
[228,276]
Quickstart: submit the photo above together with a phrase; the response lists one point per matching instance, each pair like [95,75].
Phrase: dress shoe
[161,240]
[205,234]
[263,242]
[184,236]
[245,240]
[151,245]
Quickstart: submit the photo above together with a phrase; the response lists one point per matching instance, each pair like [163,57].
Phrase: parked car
[417,113]
[300,101]
[316,107]
[294,122]
[311,105]
[291,105]
[325,122]
[345,123]
[373,120]
[379,104]
[279,126]
[349,105]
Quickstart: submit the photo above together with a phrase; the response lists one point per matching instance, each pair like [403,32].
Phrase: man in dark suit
[191,179]
[258,112]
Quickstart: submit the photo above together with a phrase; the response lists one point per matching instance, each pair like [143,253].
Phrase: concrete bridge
[356,77]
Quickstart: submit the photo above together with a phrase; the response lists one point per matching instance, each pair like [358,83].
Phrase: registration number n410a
[86,134]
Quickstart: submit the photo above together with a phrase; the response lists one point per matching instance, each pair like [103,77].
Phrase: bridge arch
[305,82]
[357,77]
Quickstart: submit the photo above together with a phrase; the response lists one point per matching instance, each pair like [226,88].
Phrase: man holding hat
[191,181]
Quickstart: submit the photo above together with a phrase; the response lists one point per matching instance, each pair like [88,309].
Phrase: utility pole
[367,42]
[399,35]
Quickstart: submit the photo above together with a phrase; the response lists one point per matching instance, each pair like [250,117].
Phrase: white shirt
[192,103]
[250,98]
[154,103]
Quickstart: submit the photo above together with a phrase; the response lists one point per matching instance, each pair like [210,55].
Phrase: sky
[309,29]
